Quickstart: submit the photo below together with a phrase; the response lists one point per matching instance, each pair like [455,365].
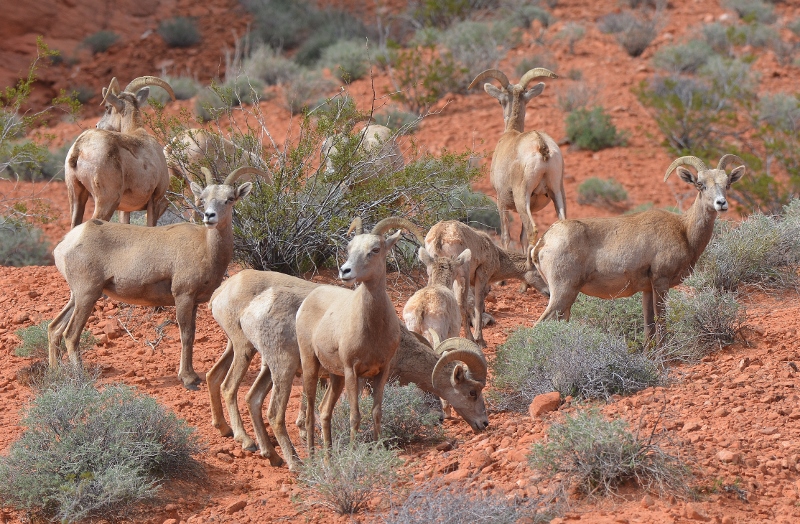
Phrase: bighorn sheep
[527,167]
[180,265]
[435,307]
[489,263]
[257,311]
[650,251]
[119,164]
[351,334]
[378,145]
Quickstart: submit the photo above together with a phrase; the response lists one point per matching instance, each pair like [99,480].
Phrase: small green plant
[620,317]
[683,58]
[544,59]
[637,36]
[477,46]
[21,244]
[753,10]
[794,26]
[571,358]
[180,31]
[100,41]
[209,104]
[354,474]
[575,97]
[399,121]
[34,341]
[184,88]
[347,60]
[420,82]
[572,33]
[718,37]
[593,130]
[83,93]
[615,23]
[598,192]
[476,209]
[269,66]
[304,89]
[88,453]
[332,26]
[596,456]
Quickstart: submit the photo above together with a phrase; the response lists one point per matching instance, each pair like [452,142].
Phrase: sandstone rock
[647,501]
[721,412]
[19,318]
[171,521]
[695,512]
[728,456]
[445,446]
[727,519]
[236,506]
[224,457]
[544,404]
[692,425]
[455,476]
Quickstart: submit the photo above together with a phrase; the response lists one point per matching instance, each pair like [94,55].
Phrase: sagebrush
[35,342]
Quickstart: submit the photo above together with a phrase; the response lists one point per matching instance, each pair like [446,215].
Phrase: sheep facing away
[650,251]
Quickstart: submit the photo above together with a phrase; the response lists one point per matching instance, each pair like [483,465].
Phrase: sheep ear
[464,258]
[458,375]
[141,96]
[118,104]
[424,256]
[392,239]
[533,92]
[196,189]
[243,190]
[686,175]
[736,174]
[493,91]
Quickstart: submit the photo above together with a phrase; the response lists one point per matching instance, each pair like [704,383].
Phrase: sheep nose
[344,272]
[722,203]
[209,215]
[485,423]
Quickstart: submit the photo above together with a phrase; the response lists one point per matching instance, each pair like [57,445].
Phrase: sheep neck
[131,121]
[512,265]
[516,117]
[373,301]
[699,223]
[219,245]
[414,362]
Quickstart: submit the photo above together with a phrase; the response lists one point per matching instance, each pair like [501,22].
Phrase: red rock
[647,501]
[224,457]
[728,456]
[20,318]
[692,425]
[457,475]
[695,512]
[544,404]
[171,521]
[236,506]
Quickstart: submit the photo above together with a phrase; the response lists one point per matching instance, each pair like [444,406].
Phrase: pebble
[544,403]
[236,506]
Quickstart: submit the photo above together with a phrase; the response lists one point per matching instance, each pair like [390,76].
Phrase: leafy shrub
[592,130]
[637,36]
[35,344]
[303,89]
[22,244]
[571,358]
[596,456]
[718,37]
[399,121]
[477,46]
[528,62]
[621,317]
[577,96]
[333,26]
[184,88]
[87,453]
[347,60]
[49,165]
[476,209]
[281,23]
[572,33]
[523,13]
[269,66]
[683,58]
[209,104]
[180,31]
[100,41]
[354,474]
[444,13]
[794,26]
[596,191]
[83,93]
[755,34]
[753,10]
[614,23]
[241,90]
[420,82]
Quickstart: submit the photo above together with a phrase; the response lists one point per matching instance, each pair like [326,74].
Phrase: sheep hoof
[274,459]
[194,386]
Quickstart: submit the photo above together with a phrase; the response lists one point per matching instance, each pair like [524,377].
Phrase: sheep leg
[377,401]
[479,289]
[78,196]
[648,305]
[186,310]
[243,353]
[660,290]
[332,394]
[559,306]
[214,379]
[55,331]
[255,402]
[124,217]
[351,385]
[505,235]
[559,202]
[104,209]
[82,309]
[461,290]
[310,377]
[276,412]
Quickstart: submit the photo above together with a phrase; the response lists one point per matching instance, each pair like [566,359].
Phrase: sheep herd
[351,335]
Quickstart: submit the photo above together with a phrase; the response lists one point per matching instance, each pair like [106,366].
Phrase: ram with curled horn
[176,265]
[119,164]
[650,251]
[258,312]
[527,167]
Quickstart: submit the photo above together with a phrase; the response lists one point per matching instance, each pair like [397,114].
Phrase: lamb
[650,251]
[527,167]
[257,311]
[119,164]
[489,263]
[378,145]
[179,264]
[434,309]
[351,334]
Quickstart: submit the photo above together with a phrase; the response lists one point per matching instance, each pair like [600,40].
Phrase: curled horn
[113,89]
[241,171]
[490,73]
[396,222]
[727,159]
[464,351]
[138,83]
[208,175]
[535,73]
[435,340]
[356,225]
[688,161]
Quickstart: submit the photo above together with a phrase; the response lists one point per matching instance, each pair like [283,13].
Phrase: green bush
[354,474]
[576,96]
[444,13]
[718,37]
[523,13]
[83,93]
[596,456]
[753,10]
[598,192]
[209,104]
[333,26]
[304,89]
[794,26]
[614,23]
[420,82]
[35,345]
[477,46]
[621,317]
[683,58]
[21,244]
[476,209]
[571,358]
[347,60]
[528,62]
[592,129]
[184,88]
[180,31]
[572,33]
[269,66]
[100,41]
[637,36]
[87,453]
[49,166]
[282,24]
[399,121]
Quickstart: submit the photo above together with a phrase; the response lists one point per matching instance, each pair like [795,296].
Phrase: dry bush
[599,192]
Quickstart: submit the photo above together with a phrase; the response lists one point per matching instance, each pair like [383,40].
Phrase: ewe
[180,264]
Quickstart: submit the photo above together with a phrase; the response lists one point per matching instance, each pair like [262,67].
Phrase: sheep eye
[230,199]
[473,394]
[376,250]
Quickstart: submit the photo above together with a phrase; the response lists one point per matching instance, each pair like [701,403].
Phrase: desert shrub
[180,31]
[544,59]
[333,26]
[184,88]
[304,89]
[614,23]
[82,93]
[477,46]
[683,58]
[269,66]
[571,358]
[34,341]
[523,13]
[637,36]
[576,96]
[599,192]
[421,77]
[572,33]
[281,23]
[89,453]
[476,209]
[592,129]
[354,474]
[437,504]
[399,121]
[440,13]
[21,244]
[718,37]
[596,456]
[620,317]
[794,26]
[753,10]
[49,166]
[240,90]
[100,41]
[347,60]
[209,104]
